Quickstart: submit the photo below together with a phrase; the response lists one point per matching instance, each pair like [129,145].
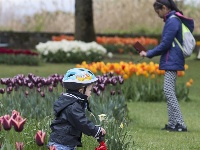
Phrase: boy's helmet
[77,78]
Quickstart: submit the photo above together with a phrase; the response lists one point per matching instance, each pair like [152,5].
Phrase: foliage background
[119,16]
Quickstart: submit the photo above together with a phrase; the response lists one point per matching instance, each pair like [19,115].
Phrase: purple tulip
[95,89]
[2,91]
[7,122]
[113,81]
[30,85]
[98,92]
[42,94]
[111,74]
[112,93]
[3,80]
[40,138]
[19,145]
[18,123]
[39,90]
[50,89]
[26,93]
[102,87]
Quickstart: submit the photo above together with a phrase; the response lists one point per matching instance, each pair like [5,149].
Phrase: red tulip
[7,122]
[19,145]
[18,123]
[40,138]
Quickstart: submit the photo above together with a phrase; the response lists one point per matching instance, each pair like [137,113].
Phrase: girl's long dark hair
[168,3]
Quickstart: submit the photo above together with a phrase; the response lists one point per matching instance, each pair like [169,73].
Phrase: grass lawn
[148,118]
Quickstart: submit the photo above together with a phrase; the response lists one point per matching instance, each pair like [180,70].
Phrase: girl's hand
[143,54]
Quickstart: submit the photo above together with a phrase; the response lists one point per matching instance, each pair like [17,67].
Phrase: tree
[84,26]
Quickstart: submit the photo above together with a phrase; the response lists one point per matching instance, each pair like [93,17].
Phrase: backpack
[189,42]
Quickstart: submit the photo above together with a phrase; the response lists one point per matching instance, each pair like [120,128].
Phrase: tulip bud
[2,91]
[26,93]
[50,89]
[39,90]
[42,94]
[112,93]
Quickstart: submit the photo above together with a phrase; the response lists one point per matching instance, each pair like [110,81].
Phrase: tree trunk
[84,27]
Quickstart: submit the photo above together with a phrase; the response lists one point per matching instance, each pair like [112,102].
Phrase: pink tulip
[7,122]
[40,138]
[19,145]
[18,122]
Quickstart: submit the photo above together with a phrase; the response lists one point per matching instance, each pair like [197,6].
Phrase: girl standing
[172,59]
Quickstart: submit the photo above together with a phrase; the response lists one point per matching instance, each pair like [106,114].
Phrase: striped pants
[174,113]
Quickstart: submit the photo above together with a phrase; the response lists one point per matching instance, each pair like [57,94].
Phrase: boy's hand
[143,54]
[103,131]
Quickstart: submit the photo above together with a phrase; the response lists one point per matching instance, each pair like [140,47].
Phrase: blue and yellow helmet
[77,78]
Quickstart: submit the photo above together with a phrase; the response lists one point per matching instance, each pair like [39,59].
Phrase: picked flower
[52,147]
[102,117]
[40,137]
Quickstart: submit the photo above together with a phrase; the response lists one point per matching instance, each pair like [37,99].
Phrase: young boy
[70,118]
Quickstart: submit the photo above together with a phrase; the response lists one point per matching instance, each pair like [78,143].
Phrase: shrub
[71,51]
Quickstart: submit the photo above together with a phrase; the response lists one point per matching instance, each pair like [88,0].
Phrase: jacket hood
[67,99]
[189,22]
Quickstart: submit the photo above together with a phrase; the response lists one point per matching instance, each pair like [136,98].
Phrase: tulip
[42,94]
[112,93]
[102,87]
[2,91]
[26,93]
[39,90]
[16,113]
[50,89]
[19,145]
[40,138]
[95,89]
[7,122]
[18,123]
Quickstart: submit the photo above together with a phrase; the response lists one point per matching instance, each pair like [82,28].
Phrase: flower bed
[33,96]
[71,51]
[116,44]
[18,57]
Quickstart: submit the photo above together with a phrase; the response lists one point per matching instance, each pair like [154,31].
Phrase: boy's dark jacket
[171,56]
[70,120]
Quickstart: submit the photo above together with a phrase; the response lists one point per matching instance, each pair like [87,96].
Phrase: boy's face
[89,90]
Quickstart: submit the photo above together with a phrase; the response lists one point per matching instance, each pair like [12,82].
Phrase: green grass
[148,118]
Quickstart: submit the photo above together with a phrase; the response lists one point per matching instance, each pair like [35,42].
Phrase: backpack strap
[183,27]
